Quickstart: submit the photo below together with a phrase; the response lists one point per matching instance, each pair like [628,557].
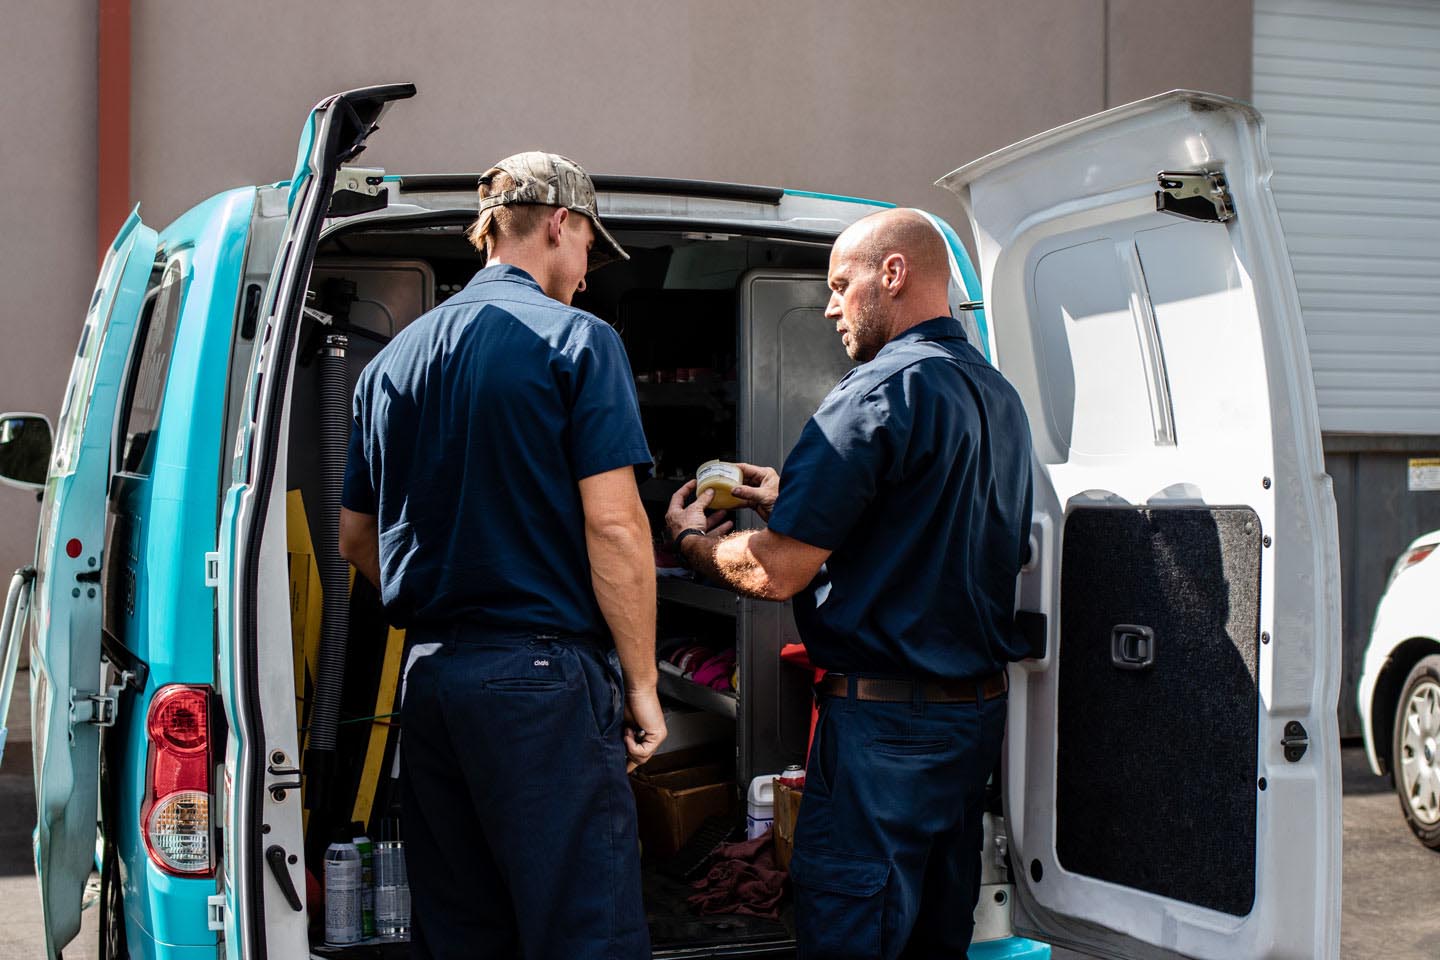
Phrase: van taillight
[175,820]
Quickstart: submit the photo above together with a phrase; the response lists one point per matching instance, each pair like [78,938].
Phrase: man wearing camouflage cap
[491,496]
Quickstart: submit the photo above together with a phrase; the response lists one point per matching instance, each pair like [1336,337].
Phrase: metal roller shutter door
[1351,95]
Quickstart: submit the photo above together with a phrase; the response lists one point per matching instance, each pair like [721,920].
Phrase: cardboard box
[787,809]
[672,801]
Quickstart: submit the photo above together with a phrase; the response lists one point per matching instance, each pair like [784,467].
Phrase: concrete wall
[48,259]
[844,96]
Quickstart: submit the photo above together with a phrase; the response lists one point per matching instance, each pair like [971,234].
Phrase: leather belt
[894,690]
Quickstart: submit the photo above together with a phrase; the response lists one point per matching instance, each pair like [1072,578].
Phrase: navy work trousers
[519,822]
[887,844]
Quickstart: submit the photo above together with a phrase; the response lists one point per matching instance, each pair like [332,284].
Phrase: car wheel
[1417,751]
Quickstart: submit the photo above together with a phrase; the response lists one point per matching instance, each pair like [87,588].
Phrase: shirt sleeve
[605,428]
[358,494]
[843,455]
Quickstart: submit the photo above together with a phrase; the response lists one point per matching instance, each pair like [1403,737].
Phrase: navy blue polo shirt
[915,473]
[472,429]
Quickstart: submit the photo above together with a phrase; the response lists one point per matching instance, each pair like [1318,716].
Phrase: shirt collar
[940,328]
[504,271]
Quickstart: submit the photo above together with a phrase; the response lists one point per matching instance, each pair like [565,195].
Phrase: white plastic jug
[760,806]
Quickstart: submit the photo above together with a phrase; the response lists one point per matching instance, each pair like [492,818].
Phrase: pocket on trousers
[839,904]
[524,685]
[910,746]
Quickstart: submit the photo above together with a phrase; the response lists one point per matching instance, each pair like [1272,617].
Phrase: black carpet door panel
[1159,701]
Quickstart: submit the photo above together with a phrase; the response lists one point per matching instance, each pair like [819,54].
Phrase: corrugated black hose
[334,571]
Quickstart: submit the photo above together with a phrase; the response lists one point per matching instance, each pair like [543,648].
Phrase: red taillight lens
[176,818]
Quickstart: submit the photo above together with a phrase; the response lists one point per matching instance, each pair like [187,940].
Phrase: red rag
[744,880]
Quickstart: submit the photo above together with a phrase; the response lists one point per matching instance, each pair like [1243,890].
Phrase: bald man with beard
[898,524]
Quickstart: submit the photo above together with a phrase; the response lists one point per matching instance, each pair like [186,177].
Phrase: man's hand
[644,726]
[679,516]
[761,487]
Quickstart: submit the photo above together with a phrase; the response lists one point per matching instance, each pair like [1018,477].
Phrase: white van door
[1172,781]
[262,865]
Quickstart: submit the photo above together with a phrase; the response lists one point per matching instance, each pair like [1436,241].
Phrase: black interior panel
[1157,755]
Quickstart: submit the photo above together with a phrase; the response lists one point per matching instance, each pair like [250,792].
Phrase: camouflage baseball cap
[556,181]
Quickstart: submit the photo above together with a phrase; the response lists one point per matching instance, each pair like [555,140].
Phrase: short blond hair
[510,220]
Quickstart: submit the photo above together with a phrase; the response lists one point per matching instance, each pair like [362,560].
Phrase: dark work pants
[519,823]
[887,845]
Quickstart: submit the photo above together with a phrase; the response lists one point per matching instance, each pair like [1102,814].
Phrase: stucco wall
[48,259]
[843,96]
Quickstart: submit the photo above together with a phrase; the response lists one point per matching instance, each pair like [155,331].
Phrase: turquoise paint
[172,628]
[971,284]
[302,156]
[1011,948]
[69,625]
[836,196]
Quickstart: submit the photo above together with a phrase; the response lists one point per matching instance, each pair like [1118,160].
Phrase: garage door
[1351,94]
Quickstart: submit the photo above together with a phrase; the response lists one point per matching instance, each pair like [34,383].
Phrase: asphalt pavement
[1390,909]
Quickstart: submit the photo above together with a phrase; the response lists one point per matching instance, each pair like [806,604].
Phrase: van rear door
[263,871]
[68,703]
[1172,777]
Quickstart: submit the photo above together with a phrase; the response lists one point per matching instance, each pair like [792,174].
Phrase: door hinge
[212,569]
[94,708]
[98,708]
[1295,741]
[1195,195]
[215,911]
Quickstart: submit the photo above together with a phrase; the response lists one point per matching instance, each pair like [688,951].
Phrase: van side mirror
[25,445]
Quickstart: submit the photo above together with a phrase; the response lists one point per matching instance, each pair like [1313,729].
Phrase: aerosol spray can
[366,850]
[342,892]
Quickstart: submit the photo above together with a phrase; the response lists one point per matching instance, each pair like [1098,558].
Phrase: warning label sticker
[1425,473]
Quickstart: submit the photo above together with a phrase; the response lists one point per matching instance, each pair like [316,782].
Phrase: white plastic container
[760,806]
[342,893]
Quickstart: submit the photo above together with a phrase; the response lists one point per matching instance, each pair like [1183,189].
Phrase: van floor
[677,929]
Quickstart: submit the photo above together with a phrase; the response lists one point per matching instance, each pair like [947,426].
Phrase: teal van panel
[835,196]
[173,512]
[972,283]
[68,617]
[302,156]
[1011,948]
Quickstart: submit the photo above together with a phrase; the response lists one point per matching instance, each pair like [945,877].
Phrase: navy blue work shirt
[915,473]
[472,429]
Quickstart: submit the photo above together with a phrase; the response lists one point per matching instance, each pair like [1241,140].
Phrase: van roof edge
[608,183]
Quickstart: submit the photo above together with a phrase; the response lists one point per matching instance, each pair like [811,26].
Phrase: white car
[1399,693]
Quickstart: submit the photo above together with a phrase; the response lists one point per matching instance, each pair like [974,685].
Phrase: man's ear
[555,224]
[894,271]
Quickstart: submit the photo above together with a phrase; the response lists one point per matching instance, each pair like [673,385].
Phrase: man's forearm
[734,562]
[622,570]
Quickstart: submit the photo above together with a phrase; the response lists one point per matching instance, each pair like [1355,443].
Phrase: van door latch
[1195,195]
[98,708]
[1295,741]
[212,569]
[215,912]
[1132,647]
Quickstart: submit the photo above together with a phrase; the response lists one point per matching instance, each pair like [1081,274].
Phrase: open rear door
[68,705]
[263,871]
[1172,777]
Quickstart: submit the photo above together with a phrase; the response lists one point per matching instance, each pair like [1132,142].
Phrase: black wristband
[679,538]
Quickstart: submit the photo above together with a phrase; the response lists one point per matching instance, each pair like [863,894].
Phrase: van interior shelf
[688,691]
[715,395]
[697,595]
[659,489]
